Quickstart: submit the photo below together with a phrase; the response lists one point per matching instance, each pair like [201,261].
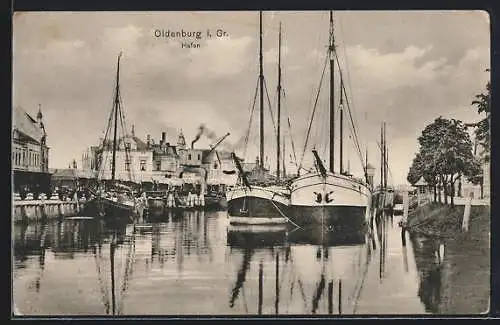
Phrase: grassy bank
[464,285]
[440,220]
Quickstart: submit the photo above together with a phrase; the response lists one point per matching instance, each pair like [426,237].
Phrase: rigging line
[128,269]
[355,135]
[313,111]
[358,147]
[346,58]
[270,106]
[290,129]
[388,167]
[103,286]
[104,144]
[130,171]
[251,117]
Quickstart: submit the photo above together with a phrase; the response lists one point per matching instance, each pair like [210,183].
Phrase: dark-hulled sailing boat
[113,199]
[259,197]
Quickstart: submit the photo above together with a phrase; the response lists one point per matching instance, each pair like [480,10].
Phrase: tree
[416,170]
[482,103]
[444,156]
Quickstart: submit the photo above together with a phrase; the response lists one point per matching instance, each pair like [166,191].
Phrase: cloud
[219,58]
[401,68]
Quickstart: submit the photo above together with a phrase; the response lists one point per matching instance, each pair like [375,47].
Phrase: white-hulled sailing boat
[329,198]
[258,197]
[113,200]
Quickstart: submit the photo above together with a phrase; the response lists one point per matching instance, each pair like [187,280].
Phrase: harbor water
[195,263]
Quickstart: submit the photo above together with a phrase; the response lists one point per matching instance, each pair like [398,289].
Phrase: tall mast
[331,50]
[381,156]
[116,107]
[279,108]
[366,164]
[341,158]
[261,81]
[283,163]
[385,158]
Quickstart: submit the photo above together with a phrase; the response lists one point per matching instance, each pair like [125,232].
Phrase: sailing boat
[258,197]
[334,200]
[383,195]
[114,200]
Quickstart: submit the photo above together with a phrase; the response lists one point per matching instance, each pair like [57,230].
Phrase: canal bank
[460,277]
[36,210]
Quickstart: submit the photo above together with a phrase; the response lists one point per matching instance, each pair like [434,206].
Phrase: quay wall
[34,210]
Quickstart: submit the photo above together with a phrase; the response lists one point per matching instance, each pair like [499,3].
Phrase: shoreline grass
[465,280]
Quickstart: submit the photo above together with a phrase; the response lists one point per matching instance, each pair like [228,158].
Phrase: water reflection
[196,263]
[429,256]
[313,269]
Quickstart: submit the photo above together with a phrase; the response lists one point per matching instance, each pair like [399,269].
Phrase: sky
[404,68]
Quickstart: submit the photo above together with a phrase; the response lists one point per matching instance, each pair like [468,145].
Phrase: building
[166,161]
[30,153]
[134,160]
[29,148]
[162,162]
[217,164]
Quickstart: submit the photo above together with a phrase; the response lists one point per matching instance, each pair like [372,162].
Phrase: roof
[64,173]
[421,182]
[141,145]
[168,150]
[27,125]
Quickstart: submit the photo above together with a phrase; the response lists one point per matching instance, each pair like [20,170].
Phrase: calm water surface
[195,263]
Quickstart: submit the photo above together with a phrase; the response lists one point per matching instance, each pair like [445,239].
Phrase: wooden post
[261,275]
[465,220]
[340,296]
[406,205]
[277,285]
[330,297]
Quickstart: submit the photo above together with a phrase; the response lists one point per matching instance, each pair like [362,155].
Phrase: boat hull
[215,202]
[260,205]
[336,203]
[109,210]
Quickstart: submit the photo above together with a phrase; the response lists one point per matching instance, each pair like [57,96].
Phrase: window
[215,165]
[143,165]
[158,165]
[199,157]
[127,163]
[189,156]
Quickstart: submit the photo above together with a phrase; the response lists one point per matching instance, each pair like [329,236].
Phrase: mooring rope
[283,215]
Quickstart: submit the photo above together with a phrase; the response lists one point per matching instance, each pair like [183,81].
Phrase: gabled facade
[29,147]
